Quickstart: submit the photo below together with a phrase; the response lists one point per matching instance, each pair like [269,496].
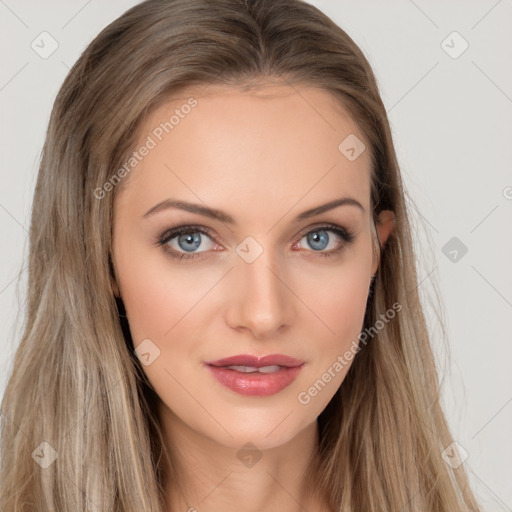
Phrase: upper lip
[257,362]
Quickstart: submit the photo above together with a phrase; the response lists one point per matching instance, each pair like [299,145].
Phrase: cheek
[148,298]
[161,301]
[156,292]
[345,303]
[169,305]
[337,296]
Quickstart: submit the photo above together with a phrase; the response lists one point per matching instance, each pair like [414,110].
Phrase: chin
[263,430]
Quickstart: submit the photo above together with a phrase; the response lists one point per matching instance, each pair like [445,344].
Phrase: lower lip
[255,384]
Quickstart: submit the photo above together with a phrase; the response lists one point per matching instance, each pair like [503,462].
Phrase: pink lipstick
[255,376]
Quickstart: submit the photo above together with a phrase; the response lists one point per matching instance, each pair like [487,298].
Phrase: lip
[255,384]
[257,362]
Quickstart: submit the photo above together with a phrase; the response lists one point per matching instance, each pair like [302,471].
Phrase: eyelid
[317,225]
[171,233]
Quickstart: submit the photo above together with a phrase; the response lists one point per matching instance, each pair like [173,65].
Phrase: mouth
[255,376]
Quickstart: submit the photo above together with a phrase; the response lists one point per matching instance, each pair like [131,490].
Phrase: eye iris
[314,238]
[194,238]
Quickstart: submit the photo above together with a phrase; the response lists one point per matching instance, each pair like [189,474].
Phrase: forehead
[269,145]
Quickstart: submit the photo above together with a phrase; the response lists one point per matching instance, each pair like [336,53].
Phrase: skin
[263,156]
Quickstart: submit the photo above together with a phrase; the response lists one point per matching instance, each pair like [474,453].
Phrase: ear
[385,226]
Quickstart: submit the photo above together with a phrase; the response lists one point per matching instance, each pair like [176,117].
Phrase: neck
[207,476]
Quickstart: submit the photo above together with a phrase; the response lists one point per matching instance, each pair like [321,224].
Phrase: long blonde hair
[76,385]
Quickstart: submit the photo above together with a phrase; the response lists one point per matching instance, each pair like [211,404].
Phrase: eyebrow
[225,217]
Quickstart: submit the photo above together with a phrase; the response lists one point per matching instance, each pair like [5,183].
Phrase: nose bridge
[262,301]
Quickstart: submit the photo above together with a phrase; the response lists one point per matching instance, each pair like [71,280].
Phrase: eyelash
[345,234]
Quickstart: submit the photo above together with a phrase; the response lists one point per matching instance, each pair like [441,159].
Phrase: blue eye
[188,238]
[319,239]
[189,241]
[182,242]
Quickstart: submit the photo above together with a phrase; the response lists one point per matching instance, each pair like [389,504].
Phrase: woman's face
[257,272]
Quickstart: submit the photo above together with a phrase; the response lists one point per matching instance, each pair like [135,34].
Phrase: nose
[260,298]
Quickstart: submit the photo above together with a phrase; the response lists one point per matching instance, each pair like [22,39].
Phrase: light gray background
[451,120]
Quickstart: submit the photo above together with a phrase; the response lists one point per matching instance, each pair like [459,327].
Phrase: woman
[223,310]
